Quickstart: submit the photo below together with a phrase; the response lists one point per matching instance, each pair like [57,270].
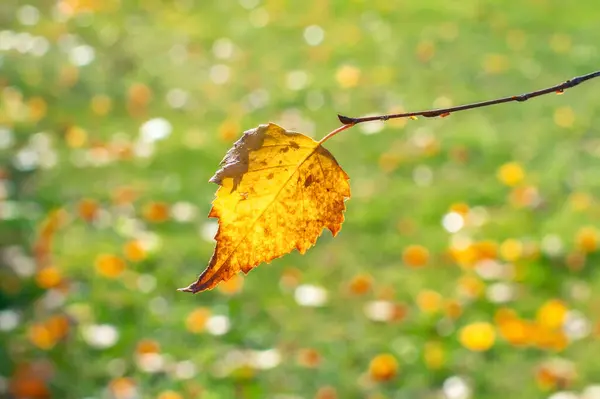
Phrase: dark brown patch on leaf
[309,180]
[294,145]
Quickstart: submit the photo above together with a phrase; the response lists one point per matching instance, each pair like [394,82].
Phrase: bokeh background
[467,265]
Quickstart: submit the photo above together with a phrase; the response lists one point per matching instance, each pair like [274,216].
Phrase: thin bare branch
[442,112]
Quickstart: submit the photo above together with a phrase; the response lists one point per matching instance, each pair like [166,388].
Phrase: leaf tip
[190,288]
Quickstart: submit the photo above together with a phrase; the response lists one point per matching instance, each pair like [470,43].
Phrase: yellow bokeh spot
[37,108]
[495,63]
[580,201]
[511,250]
[516,39]
[169,395]
[347,76]
[425,50]
[48,277]
[429,301]
[434,355]
[560,43]
[76,137]
[511,174]
[196,320]
[552,314]
[564,116]
[383,367]
[101,105]
[229,131]
[478,337]
[586,239]
[460,208]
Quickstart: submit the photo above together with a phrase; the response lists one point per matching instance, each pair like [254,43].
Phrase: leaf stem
[336,131]
[443,112]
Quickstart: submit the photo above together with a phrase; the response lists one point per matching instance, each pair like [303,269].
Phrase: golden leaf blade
[279,190]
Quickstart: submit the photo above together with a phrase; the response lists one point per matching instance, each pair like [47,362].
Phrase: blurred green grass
[239,64]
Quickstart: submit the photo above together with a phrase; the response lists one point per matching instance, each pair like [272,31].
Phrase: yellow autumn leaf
[279,190]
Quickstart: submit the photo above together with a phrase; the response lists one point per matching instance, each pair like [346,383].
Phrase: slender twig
[336,131]
[442,112]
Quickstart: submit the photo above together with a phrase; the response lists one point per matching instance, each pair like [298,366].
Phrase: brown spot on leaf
[270,176]
[309,180]
[294,145]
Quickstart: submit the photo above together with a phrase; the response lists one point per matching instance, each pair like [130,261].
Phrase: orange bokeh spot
[124,195]
[110,266]
[471,286]
[88,209]
[547,338]
[26,382]
[453,309]
[58,326]
[156,212]
[41,336]
[361,284]
[308,357]
[196,320]
[477,337]
[515,331]
[147,346]
[134,251]
[48,277]
[290,277]
[232,286]
[503,315]
[326,392]
[123,388]
[383,367]
[415,256]
[486,249]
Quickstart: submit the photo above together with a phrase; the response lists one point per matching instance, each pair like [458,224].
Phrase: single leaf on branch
[278,191]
